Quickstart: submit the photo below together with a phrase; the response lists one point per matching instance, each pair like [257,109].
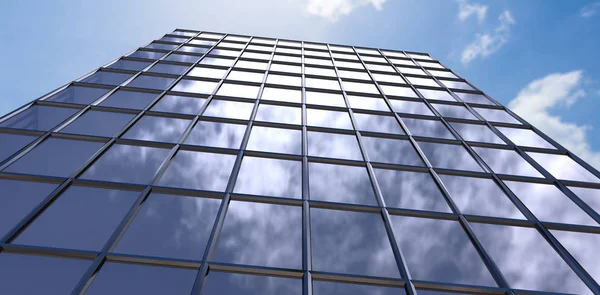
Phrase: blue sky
[537,57]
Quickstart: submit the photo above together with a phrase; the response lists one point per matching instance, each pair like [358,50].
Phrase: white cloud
[538,98]
[589,10]
[488,43]
[333,9]
[465,10]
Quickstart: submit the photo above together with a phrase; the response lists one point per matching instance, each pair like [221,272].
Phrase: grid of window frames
[207,163]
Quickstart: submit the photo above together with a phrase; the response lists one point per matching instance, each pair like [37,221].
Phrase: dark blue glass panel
[218,283]
[98,123]
[78,94]
[410,190]
[170,226]
[127,163]
[11,143]
[151,128]
[132,65]
[37,117]
[270,177]
[217,134]
[449,156]
[55,157]
[81,218]
[261,234]
[168,69]
[193,49]
[179,104]
[129,99]
[121,278]
[198,170]
[147,54]
[427,128]
[393,151]
[343,184]
[151,82]
[29,274]
[334,288]
[183,58]
[162,46]
[439,250]
[351,243]
[18,198]
[107,78]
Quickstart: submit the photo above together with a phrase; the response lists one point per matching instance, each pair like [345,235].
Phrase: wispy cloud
[332,10]
[538,98]
[466,9]
[489,43]
[589,10]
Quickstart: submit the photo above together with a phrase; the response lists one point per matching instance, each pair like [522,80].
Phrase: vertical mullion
[306,230]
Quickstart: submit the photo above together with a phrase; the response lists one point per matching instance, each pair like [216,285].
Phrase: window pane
[127,163]
[322,98]
[333,288]
[445,74]
[506,162]
[198,170]
[548,203]
[18,199]
[423,82]
[410,107]
[516,256]
[449,156]
[98,123]
[246,76]
[480,196]
[398,91]
[322,83]
[11,143]
[275,140]
[38,117]
[410,190]
[280,94]
[436,94]
[393,151]
[151,128]
[330,119]
[270,177]
[156,45]
[131,65]
[207,72]
[360,87]
[473,132]
[496,115]
[129,99]
[193,49]
[333,145]
[151,82]
[563,167]
[107,78]
[225,62]
[229,109]
[179,104]
[78,94]
[217,134]
[342,184]
[427,128]
[284,80]
[375,123]
[454,111]
[279,114]
[525,137]
[32,274]
[55,157]
[275,67]
[473,98]
[81,218]
[183,58]
[251,65]
[455,260]
[389,78]
[368,103]
[455,84]
[589,196]
[357,75]
[319,71]
[218,283]
[170,226]
[238,90]
[261,234]
[168,69]
[192,86]
[583,246]
[411,70]
[351,242]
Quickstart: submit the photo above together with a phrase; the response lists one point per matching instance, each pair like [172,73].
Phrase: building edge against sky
[419,182]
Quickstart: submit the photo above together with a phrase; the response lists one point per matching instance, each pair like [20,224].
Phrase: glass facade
[209,163]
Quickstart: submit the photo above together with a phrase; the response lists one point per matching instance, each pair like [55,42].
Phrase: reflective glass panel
[319,71]
[375,123]
[474,132]
[246,76]
[152,128]
[427,128]
[225,62]
[410,107]
[55,157]
[284,80]
[330,119]
[455,84]
[563,167]
[261,234]
[107,78]
[207,72]
[202,87]
[129,99]
[333,145]
[251,65]
[334,288]
[147,54]
[342,184]
[217,134]
[411,70]
[454,111]
[81,218]
[455,259]
[179,104]
[168,69]
[38,117]
[357,75]
[367,103]
[393,151]
[423,82]
[279,114]
[218,283]
[449,156]
[270,177]
[360,87]
[275,140]
[526,260]
[193,49]
[151,82]
[237,90]
[170,226]
[229,109]
[131,65]
[11,143]
[525,137]
[506,162]
[322,98]
[322,83]
[198,170]
[496,115]
[583,246]
[351,243]
[122,278]
[275,67]
[78,94]
[446,74]
[410,190]
[398,91]
[280,94]
[473,98]
[590,196]
[127,163]
[389,78]
[436,94]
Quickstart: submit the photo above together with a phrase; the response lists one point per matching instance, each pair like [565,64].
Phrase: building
[223,164]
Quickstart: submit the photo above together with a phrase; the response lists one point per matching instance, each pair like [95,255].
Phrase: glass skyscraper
[208,163]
